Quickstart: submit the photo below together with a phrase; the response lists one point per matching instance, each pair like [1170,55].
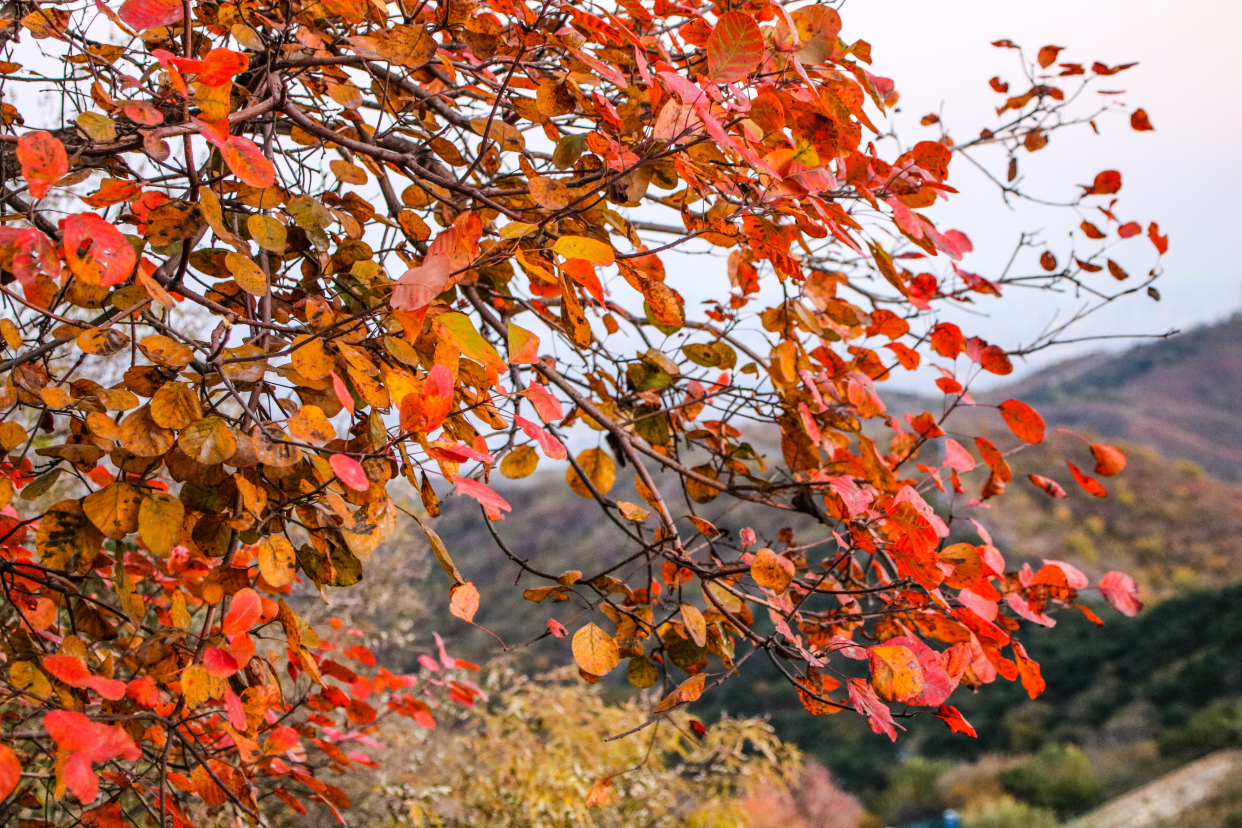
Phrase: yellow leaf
[599,468]
[197,686]
[632,511]
[771,571]
[517,229]
[520,462]
[159,522]
[267,232]
[102,341]
[114,509]
[175,406]
[310,424]
[895,672]
[594,650]
[642,672]
[310,358]
[278,562]
[348,173]
[248,275]
[695,624]
[580,247]
[208,441]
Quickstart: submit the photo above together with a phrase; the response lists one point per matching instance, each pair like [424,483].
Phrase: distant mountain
[1181,396]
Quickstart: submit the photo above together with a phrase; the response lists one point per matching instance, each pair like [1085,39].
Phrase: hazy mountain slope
[1181,396]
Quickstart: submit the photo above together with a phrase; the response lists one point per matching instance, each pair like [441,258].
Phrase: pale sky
[1185,175]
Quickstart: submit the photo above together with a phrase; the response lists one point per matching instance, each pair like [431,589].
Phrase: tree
[220,356]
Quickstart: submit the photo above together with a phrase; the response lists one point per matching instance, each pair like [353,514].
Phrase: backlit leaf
[735,48]
[594,650]
[464,601]
[43,161]
[1023,421]
[277,561]
[599,469]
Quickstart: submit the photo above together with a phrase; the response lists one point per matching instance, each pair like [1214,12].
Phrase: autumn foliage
[285,260]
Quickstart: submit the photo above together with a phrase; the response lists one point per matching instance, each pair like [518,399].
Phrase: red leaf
[547,406]
[342,393]
[1090,484]
[141,15]
[551,446]
[1023,421]
[464,601]
[1109,460]
[1120,590]
[221,65]
[1130,228]
[1161,242]
[245,610]
[956,722]
[735,48]
[1106,183]
[95,251]
[556,628]
[1028,671]
[72,671]
[947,340]
[1139,122]
[88,742]
[350,472]
[878,715]
[219,663]
[491,502]
[1048,55]
[43,161]
[956,456]
[10,771]
[1052,487]
[994,359]
[995,460]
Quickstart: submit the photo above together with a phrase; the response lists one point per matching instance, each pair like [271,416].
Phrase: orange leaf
[464,601]
[1090,484]
[599,793]
[1048,55]
[1109,460]
[10,771]
[1139,122]
[594,650]
[1051,487]
[735,48]
[1023,421]
[244,612]
[43,161]
[772,571]
[1106,183]
[895,672]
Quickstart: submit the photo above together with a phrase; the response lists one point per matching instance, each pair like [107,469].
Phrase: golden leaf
[175,405]
[771,571]
[594,650]
[159,522]
[267,232]
[278,564]
[520,462]
[208,441]
[310,424]
[114,509]
[141,435]
[248,275]
[163,350]
[599,468]
[67,539]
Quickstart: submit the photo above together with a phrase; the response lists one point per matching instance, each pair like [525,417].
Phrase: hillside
[1181,396]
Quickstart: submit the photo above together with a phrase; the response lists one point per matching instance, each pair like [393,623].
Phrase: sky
[1183,175]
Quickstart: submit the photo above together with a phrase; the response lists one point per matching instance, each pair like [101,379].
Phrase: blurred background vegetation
[1126,703]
